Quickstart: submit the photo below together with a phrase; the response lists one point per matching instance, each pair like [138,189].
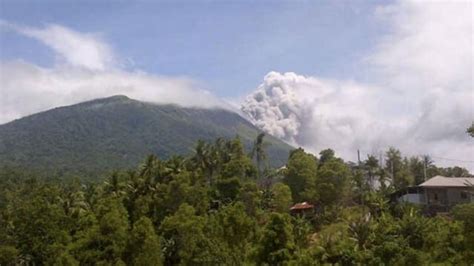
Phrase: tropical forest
[224,205]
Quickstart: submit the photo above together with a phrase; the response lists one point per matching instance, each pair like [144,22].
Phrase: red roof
[302,206]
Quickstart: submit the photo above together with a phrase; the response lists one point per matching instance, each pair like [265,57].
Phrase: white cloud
[77,49]
[420,98]
[27,88]
[86,71]
[431,44]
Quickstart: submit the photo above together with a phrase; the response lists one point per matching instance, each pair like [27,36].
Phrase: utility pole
[424,169]
[358,156]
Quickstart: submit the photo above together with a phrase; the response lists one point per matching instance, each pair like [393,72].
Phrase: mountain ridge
[117,132]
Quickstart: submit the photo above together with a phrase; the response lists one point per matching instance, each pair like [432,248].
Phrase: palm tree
[73,202]
[114,186]
[200,151]
[258,152]
[147,169]
[175,164]
[133,184]
[206,159]
[90,194]
[371,164]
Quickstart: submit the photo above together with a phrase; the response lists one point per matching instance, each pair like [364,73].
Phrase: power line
[450,159]
[438,157]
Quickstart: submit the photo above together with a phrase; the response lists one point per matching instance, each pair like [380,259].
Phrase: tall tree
[418,169]
[300,175]
[250,195]
[281,197]
[114,185]
[397,167]
[185,238]
[277,244]
[40,224]
[333,182]
[234,230]
[104,239]
[203,159]
[258,152]
[144,245]
[237,164]
[372,165]
[325,156]
[147,169]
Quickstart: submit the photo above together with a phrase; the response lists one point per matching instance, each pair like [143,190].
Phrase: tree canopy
[217,206]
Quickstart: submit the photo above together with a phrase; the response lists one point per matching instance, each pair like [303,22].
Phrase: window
[435,196]
[463,195]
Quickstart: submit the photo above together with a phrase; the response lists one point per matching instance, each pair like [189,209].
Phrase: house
[302,208]
[438,194]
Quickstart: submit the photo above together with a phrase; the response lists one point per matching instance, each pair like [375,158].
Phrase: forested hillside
[94,137]
[218,206]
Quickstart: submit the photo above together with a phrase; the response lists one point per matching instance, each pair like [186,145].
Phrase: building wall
[412,198]
[458,195]
[447,196]
[436,196]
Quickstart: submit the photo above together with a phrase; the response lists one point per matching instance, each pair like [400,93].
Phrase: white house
[439,193]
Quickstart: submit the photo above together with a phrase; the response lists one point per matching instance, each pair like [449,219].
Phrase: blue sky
[228,45]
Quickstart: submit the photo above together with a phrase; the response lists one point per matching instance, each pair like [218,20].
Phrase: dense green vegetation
[93,137]
[218,206]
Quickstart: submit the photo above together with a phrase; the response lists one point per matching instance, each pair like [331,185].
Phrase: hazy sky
[342,74]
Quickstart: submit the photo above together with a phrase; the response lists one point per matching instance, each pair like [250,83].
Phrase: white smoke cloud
[420,97]
[314,113]
[274,106]
[86,68]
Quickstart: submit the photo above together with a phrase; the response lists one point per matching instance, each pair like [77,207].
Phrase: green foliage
[144,245]
[8,255]
[455,171]
[325,156]
[277,242]
[104,237]
[39,223]
[333,182]
[301,231]
[281,198]
[397,167]
[210,208]
[185,237]
[228,189]
[251,196]
[234,231]
[300,175]
[465,214]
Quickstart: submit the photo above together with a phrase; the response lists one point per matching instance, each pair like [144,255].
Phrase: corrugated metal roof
[442,181]
[302,206]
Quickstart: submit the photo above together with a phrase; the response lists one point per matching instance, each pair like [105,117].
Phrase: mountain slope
[117,132]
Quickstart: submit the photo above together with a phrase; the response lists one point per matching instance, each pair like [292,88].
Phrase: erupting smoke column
[346,116]
[308,112]
[274,106]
